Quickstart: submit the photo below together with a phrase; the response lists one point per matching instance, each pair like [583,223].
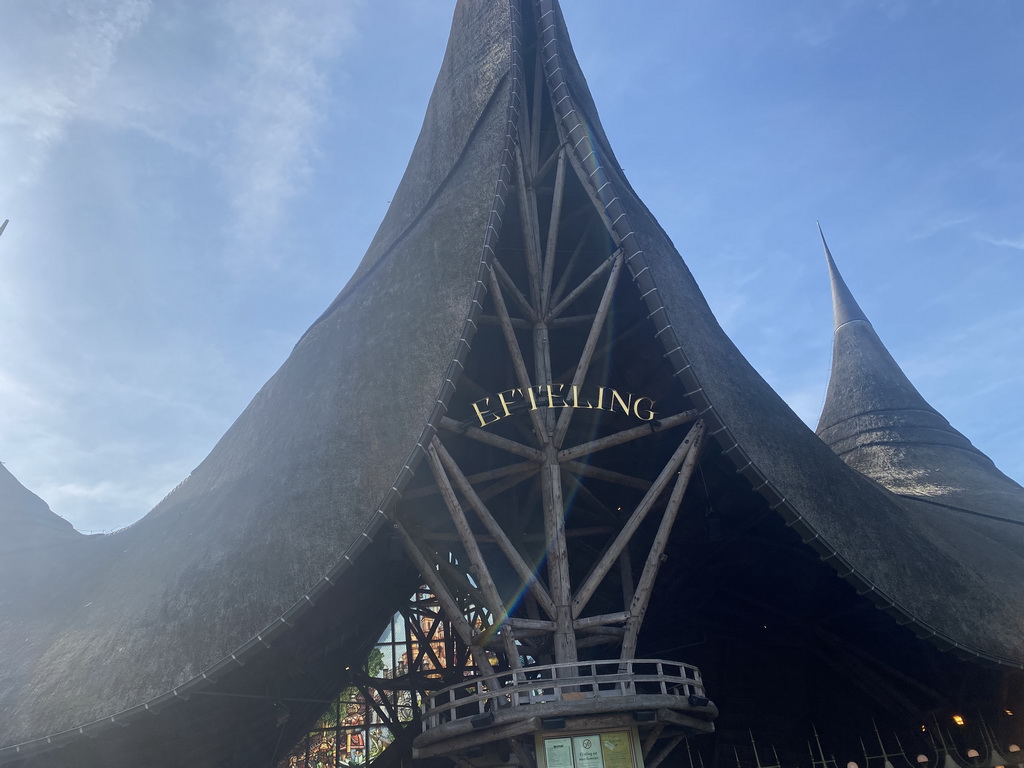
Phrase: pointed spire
[878,422]
[844,307]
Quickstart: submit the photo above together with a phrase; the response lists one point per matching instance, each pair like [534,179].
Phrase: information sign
[617,749]
[587,751]
[558,753]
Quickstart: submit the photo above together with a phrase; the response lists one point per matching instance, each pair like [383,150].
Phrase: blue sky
[190,183]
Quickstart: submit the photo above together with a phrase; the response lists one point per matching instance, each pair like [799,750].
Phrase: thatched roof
[276,524]
[878,422]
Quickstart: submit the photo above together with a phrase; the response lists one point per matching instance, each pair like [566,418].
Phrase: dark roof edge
[614,215]
[263,639]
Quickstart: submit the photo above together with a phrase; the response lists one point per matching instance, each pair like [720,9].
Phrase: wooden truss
[539,519]
[493,519]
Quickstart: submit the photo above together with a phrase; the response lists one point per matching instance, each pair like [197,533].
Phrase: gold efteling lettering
[496,407]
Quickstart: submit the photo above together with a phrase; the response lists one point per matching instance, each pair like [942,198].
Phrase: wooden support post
[549,254]
[515,559]
[563,281]
[601,568]
[545,626]
[558,560]
[478,477]
[588,348]
[626,573]
[536,112]
[602,620]
[531,231]
[626,435]
[518,363]
[652,738]
[526,760]
[515,293]
[509,482]
[608,475]
[462,627]
[476,558]
[645,586]
[588,281]
[664,752]
[546,165]
[497,441]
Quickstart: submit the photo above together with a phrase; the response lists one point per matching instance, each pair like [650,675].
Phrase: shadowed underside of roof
[282,511]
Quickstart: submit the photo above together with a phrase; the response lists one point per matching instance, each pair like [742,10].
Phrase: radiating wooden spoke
[625,436]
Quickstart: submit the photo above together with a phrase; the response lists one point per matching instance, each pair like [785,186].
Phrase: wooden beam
[526,759]
[587,183]
[514,292]
[664,752]
[536,112]
[607,475]
[651,738]
[586,591]
[462,627]
[588,348]
[517,322]
[496,441]
[588,281]
[563,281]
[478,477]
[515,559]
[549,254]
[640,325]
[615,632]
[645,585]
[546,166]
[546,626]
[531,230]
[626,576]
[626,435]
[570,320]
[481,572]
[509,482]
[558,559]
[602,620]
[518,363]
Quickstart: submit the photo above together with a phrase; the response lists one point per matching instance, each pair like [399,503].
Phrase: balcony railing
[573,682]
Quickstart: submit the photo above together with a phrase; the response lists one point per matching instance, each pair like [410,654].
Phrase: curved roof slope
[879,424]
[946,584]
[26,520]
[293,485]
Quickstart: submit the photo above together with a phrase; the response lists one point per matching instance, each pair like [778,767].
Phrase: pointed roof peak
[845,308]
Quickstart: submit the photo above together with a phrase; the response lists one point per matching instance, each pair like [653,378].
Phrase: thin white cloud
[282,52]
[940,223]
[242,85]
[1017,243]
[57,54]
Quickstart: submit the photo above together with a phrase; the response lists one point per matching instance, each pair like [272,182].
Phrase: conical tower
[877,421]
